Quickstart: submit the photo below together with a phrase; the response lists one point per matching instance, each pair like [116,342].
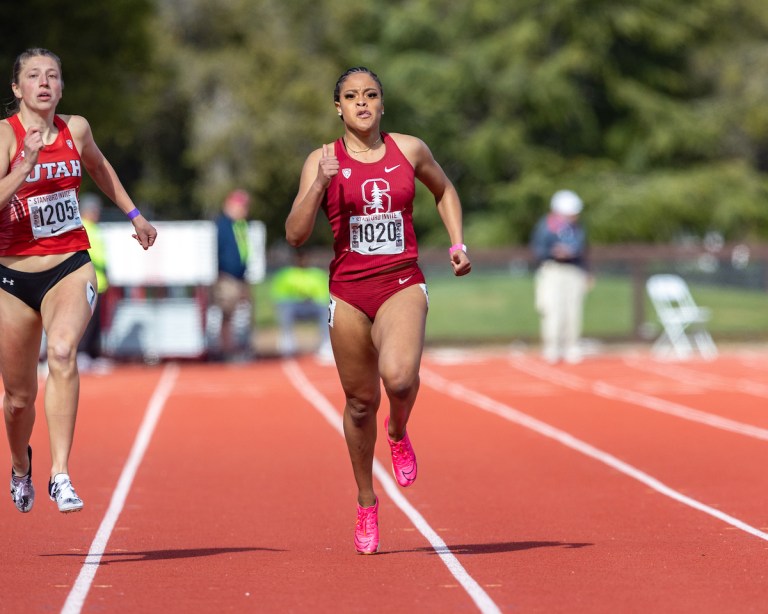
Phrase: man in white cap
[559,245]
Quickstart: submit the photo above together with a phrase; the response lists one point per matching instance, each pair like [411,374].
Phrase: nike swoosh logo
[55,230]
[373,248]
[402,281]
[389,170]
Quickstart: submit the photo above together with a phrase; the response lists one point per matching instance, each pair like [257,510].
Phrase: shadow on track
[109,558]
[497,548]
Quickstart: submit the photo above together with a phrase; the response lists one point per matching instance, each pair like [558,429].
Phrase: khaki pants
[560,292]
[232,296]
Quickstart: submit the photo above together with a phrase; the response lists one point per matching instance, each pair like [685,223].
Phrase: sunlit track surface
[706,380]
[620,484]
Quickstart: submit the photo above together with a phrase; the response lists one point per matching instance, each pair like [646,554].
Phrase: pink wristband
[457,247]
[133,213]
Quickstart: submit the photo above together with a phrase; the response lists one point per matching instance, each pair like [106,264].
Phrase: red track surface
[608,486]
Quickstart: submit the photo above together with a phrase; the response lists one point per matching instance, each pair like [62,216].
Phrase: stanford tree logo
[376,196]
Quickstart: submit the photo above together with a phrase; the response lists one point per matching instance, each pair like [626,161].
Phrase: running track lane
[601,540]
[540,526]
[634,549]
[244,500]
[43,551]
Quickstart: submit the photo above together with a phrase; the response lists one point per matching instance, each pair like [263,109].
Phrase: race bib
[381,233]
[54,214]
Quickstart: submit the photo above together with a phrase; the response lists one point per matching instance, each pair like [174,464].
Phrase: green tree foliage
[253,80]
[616,100]
[649,109]
[654,111]
[106,54]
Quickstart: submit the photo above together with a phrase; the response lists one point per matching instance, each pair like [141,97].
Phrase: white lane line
[76,597]
[484,603]
[703,380]
[609,391]
[457,391]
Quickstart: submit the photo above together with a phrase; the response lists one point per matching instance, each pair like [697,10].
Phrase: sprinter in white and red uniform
[47,281]
[364,182]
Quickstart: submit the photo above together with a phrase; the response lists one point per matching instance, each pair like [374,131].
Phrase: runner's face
[360,101]
[40,83]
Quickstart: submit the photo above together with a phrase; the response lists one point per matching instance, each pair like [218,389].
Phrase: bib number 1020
[377,234]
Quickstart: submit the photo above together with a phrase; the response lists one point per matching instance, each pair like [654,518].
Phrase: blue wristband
[133,213]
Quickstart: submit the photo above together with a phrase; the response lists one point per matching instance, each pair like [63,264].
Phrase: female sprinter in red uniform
[47,281]
[364,182]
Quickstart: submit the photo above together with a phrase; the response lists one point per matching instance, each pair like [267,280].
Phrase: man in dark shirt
[559,246]
[232,291]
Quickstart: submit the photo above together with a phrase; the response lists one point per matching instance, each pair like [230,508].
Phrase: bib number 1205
[54,214]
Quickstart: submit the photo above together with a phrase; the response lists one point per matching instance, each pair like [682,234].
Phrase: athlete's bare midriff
[34,263]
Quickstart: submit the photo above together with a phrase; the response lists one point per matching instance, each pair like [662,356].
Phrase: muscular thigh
[391,344]
[68,306]
[19,342]
[356,357]
[398,331]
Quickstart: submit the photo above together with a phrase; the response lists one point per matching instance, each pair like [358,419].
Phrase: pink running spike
[367,529]
[403,458]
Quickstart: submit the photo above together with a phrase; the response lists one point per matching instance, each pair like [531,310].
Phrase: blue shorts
[369,294]
[31,288]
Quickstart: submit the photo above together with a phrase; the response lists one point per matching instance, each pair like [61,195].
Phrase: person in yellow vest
[300,292]
[89,351]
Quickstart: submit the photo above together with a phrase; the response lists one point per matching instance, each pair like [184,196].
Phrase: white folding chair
[682,319]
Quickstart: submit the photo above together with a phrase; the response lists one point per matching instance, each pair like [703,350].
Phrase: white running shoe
[22,491]
[61,490]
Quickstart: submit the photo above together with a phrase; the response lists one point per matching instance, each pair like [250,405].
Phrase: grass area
[496,306]
[735,312]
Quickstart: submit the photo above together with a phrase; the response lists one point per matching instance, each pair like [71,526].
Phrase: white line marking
[703,380]
[466,395]
[484,603]
[76,598]
[609,391]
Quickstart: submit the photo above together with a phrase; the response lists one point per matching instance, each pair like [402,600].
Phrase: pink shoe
[403,458]
[367,529]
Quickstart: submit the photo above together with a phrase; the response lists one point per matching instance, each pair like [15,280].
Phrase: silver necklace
[376,142]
